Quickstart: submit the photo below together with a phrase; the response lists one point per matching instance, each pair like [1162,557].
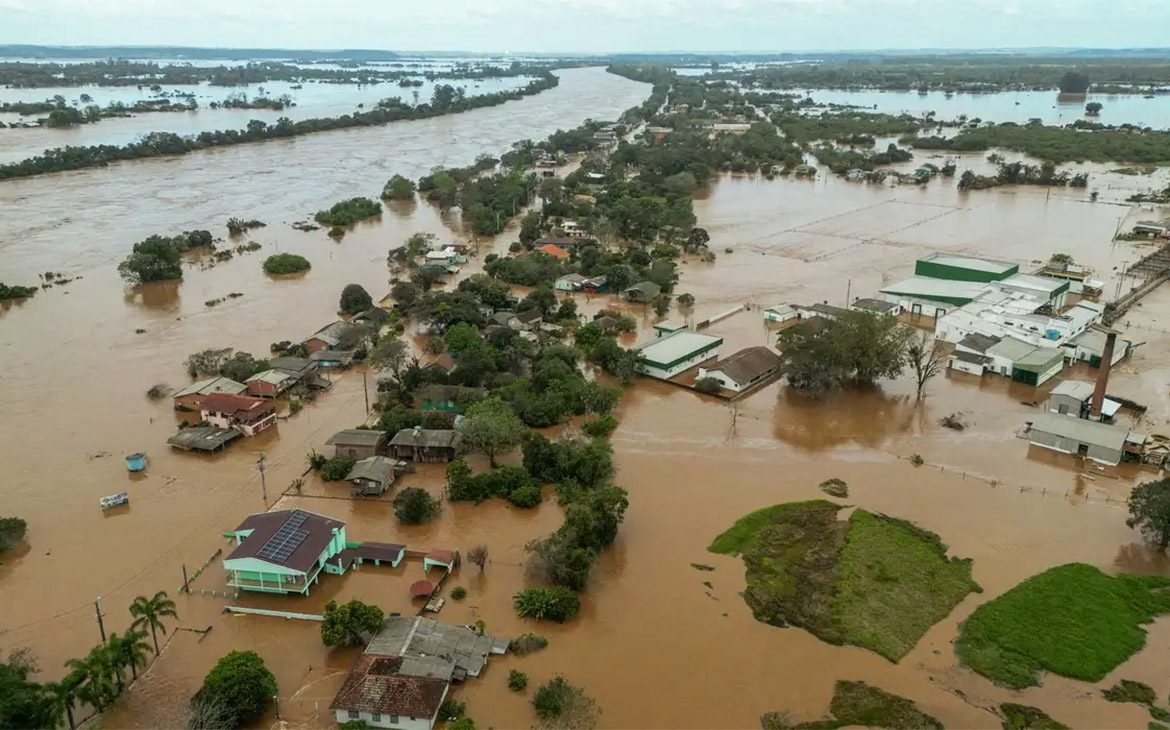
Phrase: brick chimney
[1103,377]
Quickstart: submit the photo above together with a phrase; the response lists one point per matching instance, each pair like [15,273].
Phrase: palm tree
[93,675]
[132,651]
[61,696]
[150,612]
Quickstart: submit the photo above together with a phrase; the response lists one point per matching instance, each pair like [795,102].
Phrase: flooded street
[652,645]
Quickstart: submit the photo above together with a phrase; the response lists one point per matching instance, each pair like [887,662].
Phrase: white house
[375,693]
[781,313]
[743,370]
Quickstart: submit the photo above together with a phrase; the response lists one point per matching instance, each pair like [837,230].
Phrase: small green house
[284,551]
[448,398]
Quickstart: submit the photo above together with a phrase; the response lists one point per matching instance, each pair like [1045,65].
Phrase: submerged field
[872,581]
[1072,620]
[859,704]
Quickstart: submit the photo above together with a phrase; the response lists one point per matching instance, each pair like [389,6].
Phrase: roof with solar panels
[291,538]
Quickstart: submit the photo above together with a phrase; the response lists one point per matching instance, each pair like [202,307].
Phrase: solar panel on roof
[286,540]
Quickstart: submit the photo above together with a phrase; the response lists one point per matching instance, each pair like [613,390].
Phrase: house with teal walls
[283,551]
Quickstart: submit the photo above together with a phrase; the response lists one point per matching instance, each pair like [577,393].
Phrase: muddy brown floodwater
[653,645]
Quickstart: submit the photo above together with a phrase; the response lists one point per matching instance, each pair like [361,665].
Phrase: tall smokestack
[1103,377]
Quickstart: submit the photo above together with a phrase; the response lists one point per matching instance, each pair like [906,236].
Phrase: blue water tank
[1052,334]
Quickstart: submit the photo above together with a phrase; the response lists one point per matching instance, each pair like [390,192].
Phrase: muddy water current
[654,646]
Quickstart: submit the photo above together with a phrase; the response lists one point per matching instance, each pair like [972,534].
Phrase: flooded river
[311,100]
[653,645]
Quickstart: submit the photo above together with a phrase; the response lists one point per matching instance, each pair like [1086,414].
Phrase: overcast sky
[590,25]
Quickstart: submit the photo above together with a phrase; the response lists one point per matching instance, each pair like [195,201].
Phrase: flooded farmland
[653,645]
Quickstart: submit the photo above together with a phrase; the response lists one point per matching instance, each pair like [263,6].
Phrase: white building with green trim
[672,354]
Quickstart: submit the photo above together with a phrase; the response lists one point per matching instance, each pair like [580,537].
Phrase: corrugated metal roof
[1079,389]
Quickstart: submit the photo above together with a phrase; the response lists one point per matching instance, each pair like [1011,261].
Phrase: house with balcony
[283,551]
[247,415]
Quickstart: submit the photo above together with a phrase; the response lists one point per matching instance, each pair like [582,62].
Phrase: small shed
[781,313]
[876,306]
[1100,442]
[968,362]
[357,443]
[528,319]
[379,552]
[373,315]
[437,558]
[371,477]
[426,445]
[569,282]
[643,291]
[1069,398]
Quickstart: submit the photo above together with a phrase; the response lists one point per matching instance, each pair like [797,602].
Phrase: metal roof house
[746,369]
[283,551]
[191,397]
[371,477]
[426,445]
[667,356]
[270,383]
[357,443]
[642,292]
[1100,442]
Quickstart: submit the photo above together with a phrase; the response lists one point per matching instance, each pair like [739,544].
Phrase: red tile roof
[372,686]
[555,251]
[239,406]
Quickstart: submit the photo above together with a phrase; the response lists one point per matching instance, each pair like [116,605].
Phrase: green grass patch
[1128,690]
[859,704]
[1024,717]
[895,582]
[872,581]
[743,533]
[1072,620]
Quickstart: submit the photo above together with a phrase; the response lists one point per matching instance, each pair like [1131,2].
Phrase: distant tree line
[148,73]
[157,144]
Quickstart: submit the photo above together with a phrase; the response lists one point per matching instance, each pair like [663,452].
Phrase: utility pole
[366,392]
[186,583]
[276,699]
[848,291]
[97,611]
[263,484]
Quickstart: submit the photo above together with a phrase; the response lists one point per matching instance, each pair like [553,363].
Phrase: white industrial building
[671,354]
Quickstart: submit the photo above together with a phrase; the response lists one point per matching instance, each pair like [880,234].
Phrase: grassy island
[1072,620]
[871,581]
